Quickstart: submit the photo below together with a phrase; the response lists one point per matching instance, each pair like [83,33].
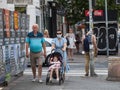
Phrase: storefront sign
[7,22]
[16,20]
[95,12]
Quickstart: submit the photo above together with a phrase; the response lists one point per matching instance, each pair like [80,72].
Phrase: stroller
[57,53]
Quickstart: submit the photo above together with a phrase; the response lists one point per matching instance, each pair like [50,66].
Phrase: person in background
[87,53]
[77,43]
[46,33]
[71,46]
[35,42]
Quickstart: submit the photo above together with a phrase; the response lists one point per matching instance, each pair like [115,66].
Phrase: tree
[75,9]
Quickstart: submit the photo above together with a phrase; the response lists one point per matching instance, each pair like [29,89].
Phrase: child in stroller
[54,65]
[55,68]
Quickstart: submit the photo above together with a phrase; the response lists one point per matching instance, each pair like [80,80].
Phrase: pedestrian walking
[60,42]
[77,43]
[71,46]
[35,42]
[89,43]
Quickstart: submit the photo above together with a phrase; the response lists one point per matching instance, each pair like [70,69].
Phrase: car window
[47,44]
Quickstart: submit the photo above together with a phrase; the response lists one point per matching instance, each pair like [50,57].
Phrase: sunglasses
[58,33]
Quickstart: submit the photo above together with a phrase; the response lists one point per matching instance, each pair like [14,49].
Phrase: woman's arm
[64,46]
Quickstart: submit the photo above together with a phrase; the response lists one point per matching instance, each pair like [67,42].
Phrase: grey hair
[35,25]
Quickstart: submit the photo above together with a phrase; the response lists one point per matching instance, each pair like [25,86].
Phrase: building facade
[33,8]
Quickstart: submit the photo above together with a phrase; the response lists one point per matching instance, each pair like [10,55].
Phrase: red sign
[7,22]
[95,12]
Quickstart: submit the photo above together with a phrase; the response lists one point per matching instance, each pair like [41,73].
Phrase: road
[75,79]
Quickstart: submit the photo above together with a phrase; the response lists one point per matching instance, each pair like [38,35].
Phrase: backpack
[86,43]
[68,43]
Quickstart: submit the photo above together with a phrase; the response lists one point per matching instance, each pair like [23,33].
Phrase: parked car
[48,42]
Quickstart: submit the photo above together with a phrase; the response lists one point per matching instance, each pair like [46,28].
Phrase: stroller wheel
[47,80]
[60,79]
[63,78]
[60,82]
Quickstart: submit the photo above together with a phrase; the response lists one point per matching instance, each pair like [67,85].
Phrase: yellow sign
[16,20]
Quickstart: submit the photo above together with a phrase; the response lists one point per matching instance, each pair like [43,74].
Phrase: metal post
[90,15]
[91,53]
[106,21]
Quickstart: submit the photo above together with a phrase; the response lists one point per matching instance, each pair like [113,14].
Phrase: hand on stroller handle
[58,50]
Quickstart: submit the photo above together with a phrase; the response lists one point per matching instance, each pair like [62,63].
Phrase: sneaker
[95,75]
[50,81]
[57,79]
[40,81]
[34,79]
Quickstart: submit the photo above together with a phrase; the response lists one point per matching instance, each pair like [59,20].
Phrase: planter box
[114,68]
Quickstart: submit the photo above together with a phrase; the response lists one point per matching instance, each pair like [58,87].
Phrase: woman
[46,33]
[61,43]
[72,40]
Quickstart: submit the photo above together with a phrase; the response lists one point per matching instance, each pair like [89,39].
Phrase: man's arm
[27,53]
[44,48]
[94,42]
[95,46]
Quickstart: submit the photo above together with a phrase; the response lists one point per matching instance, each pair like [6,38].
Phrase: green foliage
[75,8]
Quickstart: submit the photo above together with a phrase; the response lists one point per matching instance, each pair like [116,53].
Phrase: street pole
[91,53]
[106,21]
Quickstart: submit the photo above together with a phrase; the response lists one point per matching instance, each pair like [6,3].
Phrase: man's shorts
[36,58]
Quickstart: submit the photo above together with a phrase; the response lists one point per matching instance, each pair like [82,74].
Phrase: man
[87,53]
[36,42]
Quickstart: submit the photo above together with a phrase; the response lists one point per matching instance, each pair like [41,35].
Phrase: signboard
[99,15]
[12,32]
[16,20]
[95,12]
[1,23]
[6,23]
[1,27]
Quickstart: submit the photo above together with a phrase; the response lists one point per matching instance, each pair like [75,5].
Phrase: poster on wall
[15,14]
[12,59]
[12,32]
[23,25]
[2,67]
[6,23]
[1,27]
[27,24]
[17,58]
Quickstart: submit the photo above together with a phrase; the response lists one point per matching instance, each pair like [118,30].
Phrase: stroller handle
[57,50]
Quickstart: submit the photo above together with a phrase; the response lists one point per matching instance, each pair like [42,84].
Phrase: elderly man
[36,42]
